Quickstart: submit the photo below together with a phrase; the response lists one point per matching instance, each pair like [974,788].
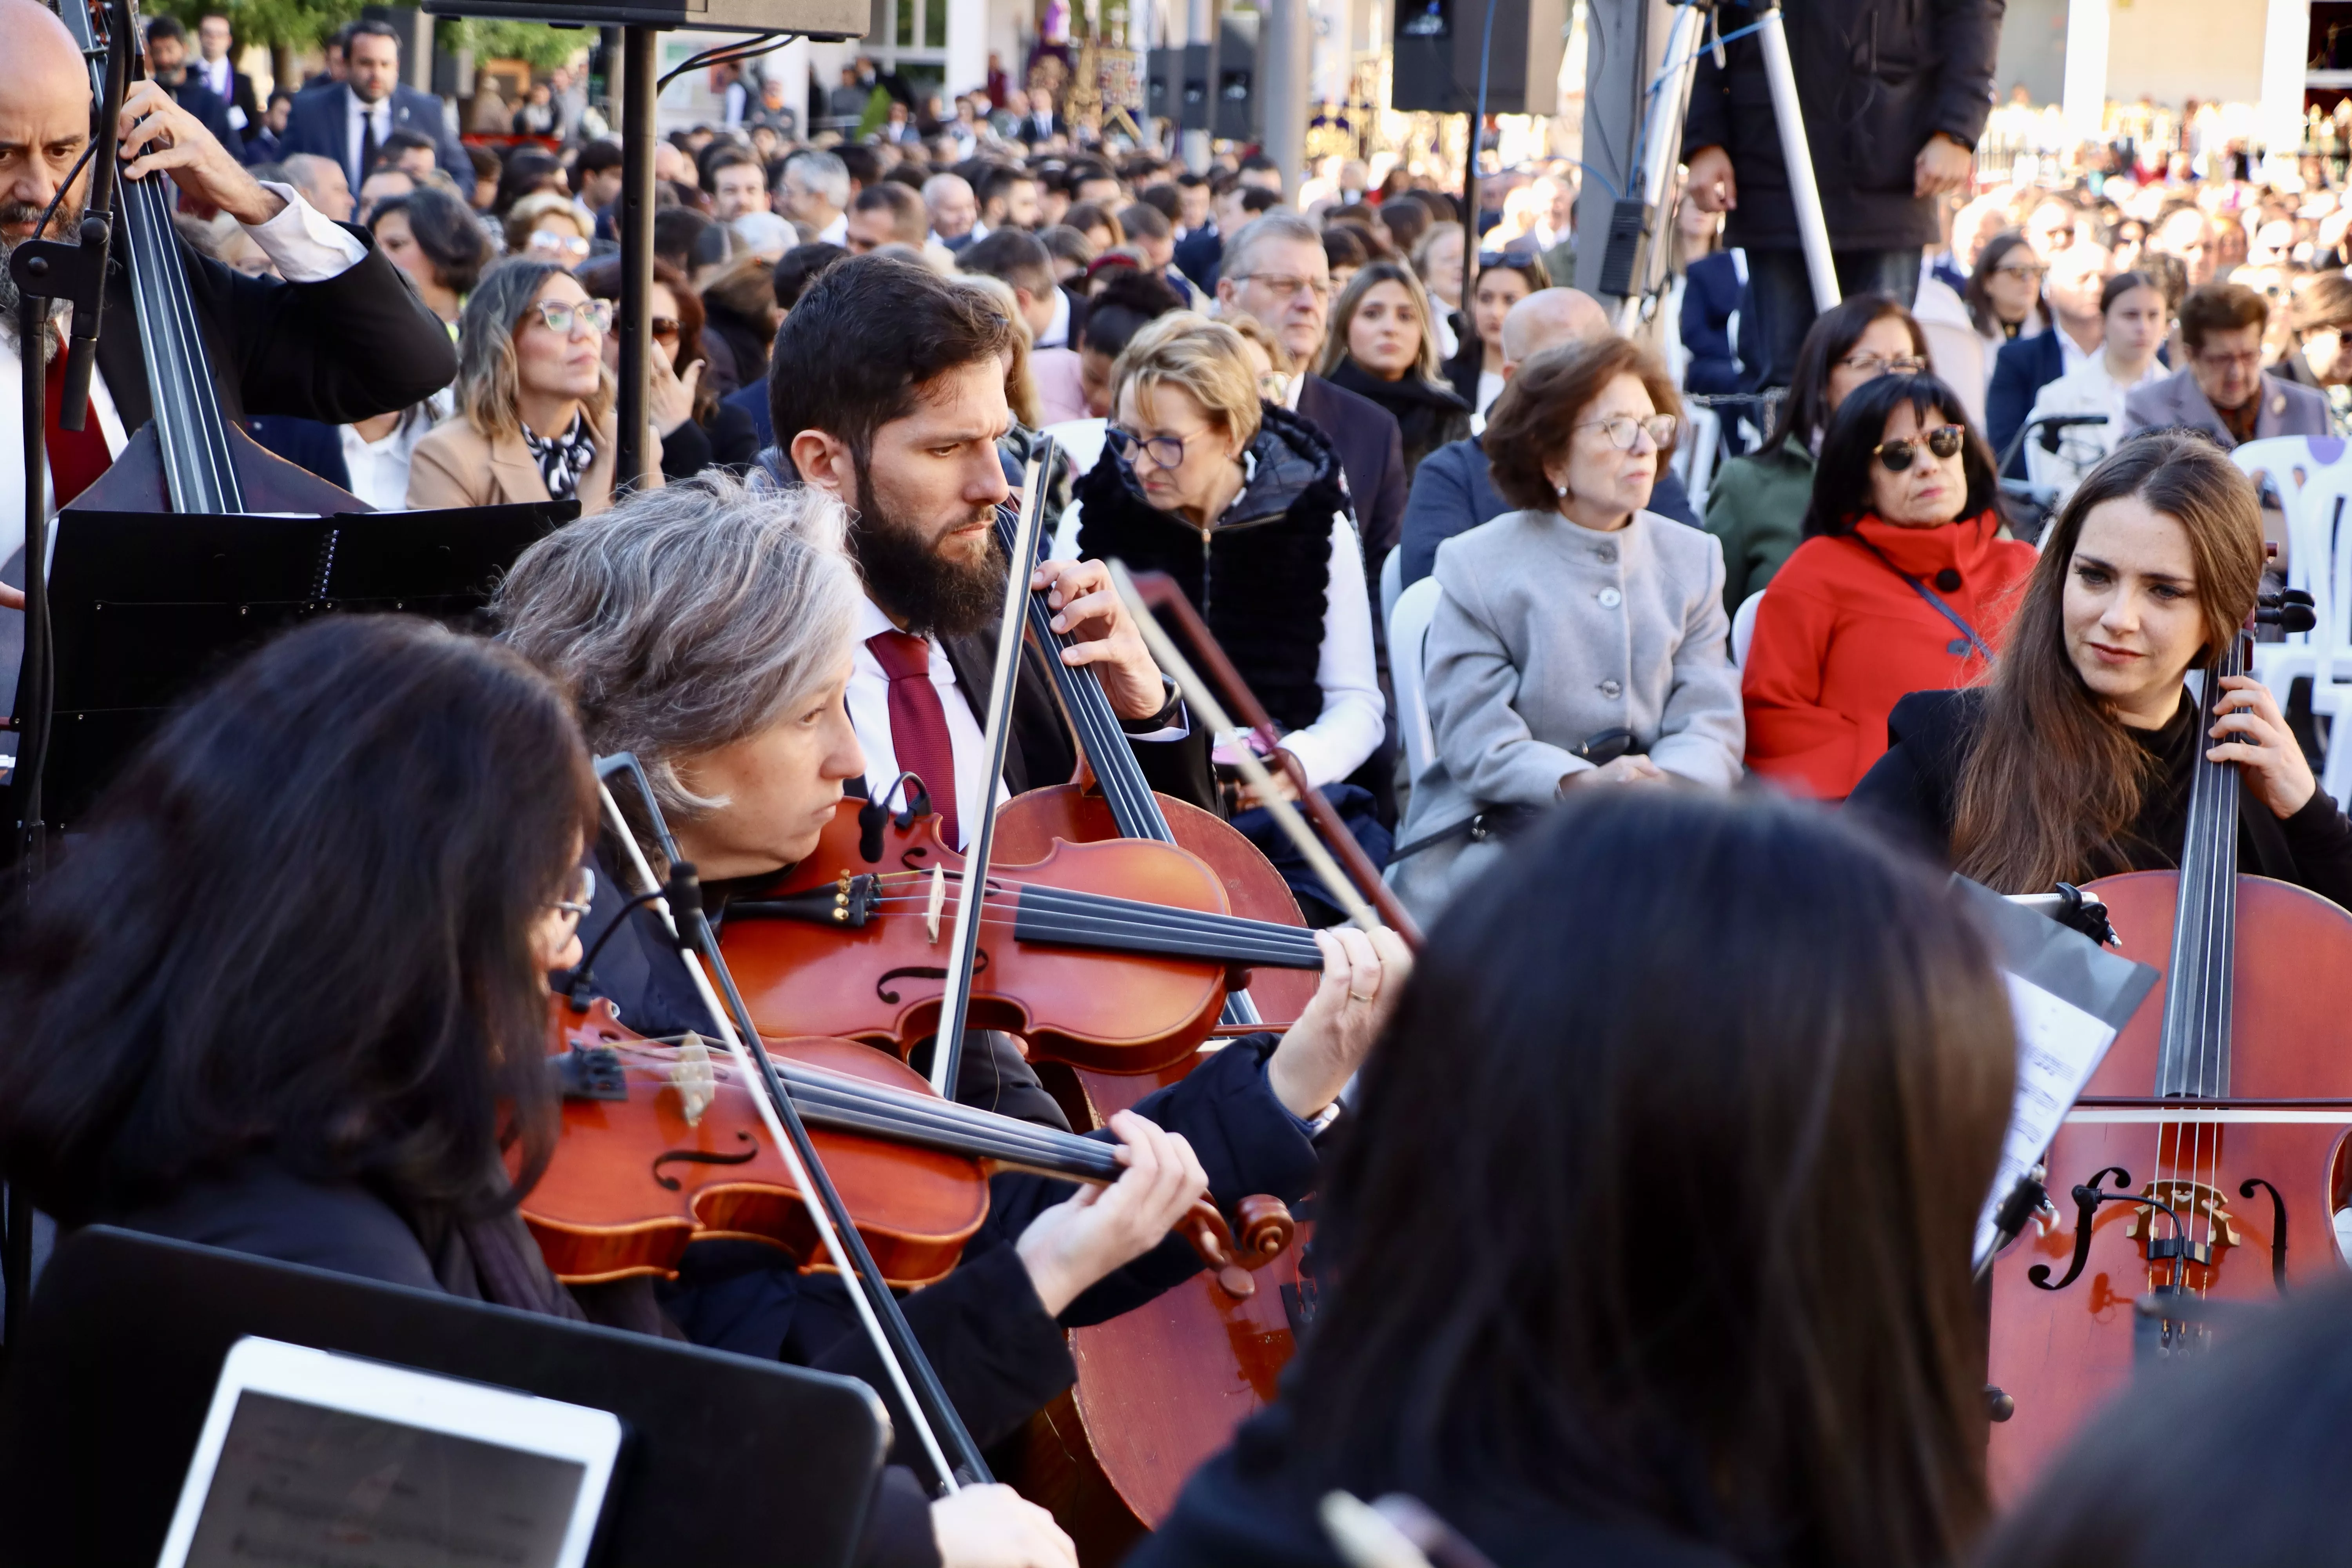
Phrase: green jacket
[1756,507]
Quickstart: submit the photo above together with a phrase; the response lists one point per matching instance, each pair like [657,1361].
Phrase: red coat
[1840,639]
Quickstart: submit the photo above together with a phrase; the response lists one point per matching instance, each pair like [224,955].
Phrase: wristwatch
[1164,716]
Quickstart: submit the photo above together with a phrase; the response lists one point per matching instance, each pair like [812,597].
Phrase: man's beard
[908,575]
[67,219]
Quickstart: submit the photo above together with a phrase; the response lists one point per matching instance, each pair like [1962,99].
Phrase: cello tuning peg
[2289,618]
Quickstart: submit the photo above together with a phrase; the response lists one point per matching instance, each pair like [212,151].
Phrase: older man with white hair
[815,191]
[1452,492]
[954,211]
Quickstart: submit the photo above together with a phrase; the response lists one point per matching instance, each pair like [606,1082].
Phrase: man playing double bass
[338,336]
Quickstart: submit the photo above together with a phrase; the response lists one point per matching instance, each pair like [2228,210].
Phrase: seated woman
[331,1078]
[1718,1309]
[438,242]
[547,226]
[697,628]
[1757,502]
[698,428]
[535,417]
[2075,762]
[1475,371]
[1580,641]
[1244,503]
[1902,584]
[1382,346]
[2133,317]
[2004,293]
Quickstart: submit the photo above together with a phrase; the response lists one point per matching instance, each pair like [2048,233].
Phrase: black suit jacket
[1042,752]
[2020,370]
[356,345]
[211,112]
[319,121]
[1371,454]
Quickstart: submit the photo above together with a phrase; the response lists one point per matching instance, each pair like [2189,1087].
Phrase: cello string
[1147,938]
[1076,900]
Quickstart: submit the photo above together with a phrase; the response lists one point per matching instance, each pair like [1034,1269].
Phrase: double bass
[2209,1155]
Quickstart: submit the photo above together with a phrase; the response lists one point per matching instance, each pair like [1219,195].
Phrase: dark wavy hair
[301,924]
[447,230]
[1829,339]
[1687,1253]
[1842,479]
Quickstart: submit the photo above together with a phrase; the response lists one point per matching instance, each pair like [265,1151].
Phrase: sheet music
[2059,1047]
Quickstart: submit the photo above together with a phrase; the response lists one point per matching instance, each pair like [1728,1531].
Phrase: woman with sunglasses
[1580,641]
[1756,504]
[535,417]
[698,428]
[1901,585]
[2004,293]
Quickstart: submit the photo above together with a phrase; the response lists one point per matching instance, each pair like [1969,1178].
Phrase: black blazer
[1042,752]
[2020,370]
[319,121]
[1371,454]
[358,344]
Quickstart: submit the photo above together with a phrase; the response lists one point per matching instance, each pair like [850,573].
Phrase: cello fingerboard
[2194,1058]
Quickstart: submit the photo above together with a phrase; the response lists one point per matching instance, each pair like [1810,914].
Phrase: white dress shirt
[379,469]
[306,246]
[1056,334]
[869,715]
[355,117]
[836,232]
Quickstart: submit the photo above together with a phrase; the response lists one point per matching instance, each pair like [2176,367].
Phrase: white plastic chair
[1392,582]
[1743,628]
[1408,633]
[1699,450]
[2313,477]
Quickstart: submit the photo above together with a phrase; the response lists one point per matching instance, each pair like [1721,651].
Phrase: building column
[1200,29]
[2085,95]
[2286,36]
[967,65]
[1286,48]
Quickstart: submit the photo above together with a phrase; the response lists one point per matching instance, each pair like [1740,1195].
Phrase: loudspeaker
[1436,56]
[1235,117]
[1193,99]
[827,21]
[1163,83]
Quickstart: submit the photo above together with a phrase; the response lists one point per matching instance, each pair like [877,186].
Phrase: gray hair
[686,617]
[820,174]
[1278,223]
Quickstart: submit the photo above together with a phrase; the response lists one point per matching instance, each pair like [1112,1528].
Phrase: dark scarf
[563,461]
[1261,575]
[1428,415]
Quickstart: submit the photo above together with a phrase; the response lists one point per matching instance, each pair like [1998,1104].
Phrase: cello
[2217,1131]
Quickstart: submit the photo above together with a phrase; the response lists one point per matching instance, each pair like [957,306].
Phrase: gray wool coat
[1548,633]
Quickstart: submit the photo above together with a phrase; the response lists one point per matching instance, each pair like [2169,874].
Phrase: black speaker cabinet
[1235,117]
[824,20]
[1436,56]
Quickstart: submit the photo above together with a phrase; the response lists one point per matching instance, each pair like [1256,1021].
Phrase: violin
[1118,955]
[2213,1133]
[662,1145]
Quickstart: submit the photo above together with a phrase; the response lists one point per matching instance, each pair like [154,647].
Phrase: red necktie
[918,725]
[75,457]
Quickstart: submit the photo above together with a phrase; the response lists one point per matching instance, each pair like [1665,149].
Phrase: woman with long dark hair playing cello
[2075,762]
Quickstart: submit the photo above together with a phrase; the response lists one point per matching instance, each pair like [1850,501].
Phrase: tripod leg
[1796,151]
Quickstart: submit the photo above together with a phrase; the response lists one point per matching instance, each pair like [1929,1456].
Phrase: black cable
[750,49]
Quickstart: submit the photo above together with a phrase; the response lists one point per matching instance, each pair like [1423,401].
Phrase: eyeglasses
[1879,364]
[583,889]
[1944,441]
[1623,428]
[665,328]
[2030,271]
[2250,360]
[1289,288]
[558,316]
[1166,451]
[546,241]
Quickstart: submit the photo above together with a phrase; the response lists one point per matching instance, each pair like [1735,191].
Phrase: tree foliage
[535,44]
[273,24]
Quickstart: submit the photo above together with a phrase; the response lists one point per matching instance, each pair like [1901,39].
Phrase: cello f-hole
[2278,1227]
[2088,1199]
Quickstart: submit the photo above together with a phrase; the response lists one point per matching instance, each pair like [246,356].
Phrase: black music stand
[728,1459]
[145,605]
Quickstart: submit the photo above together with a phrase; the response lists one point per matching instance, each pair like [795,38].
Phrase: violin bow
[877,1308]
[955,1002]
[1203,701]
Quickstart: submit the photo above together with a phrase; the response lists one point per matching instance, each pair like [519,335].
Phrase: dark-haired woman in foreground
[1619,1268]
[289,994]
[1903,583]
[2074,762]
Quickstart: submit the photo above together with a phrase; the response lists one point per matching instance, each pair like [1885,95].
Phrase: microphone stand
[45,270]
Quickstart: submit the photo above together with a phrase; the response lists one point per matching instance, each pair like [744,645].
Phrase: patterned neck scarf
[562,460]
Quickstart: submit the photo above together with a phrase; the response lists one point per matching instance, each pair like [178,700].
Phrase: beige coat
[456,466]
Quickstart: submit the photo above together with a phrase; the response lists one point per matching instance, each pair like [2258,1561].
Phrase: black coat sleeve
[685,452]
[1907,795]
[1968,40]
[359,344]
[2321,841]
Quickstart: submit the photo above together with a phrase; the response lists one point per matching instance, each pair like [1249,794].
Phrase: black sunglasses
[1943,441]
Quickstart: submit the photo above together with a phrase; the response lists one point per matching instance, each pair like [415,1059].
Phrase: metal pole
[1284,41]
[1812,228]
[639,88]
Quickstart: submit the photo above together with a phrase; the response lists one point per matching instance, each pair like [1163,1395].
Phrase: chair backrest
[1743,628]
[1392,582]
[1409,621]
[1699,450]
[1954,349]
[2313,477]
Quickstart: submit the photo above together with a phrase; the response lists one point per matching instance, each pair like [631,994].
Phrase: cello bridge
[2192,1202]
[695,1079]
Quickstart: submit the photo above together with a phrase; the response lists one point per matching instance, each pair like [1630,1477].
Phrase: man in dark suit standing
[350,120]
[214,65]
[167,62]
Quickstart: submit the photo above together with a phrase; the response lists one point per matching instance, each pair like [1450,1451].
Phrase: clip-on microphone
[876,807]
